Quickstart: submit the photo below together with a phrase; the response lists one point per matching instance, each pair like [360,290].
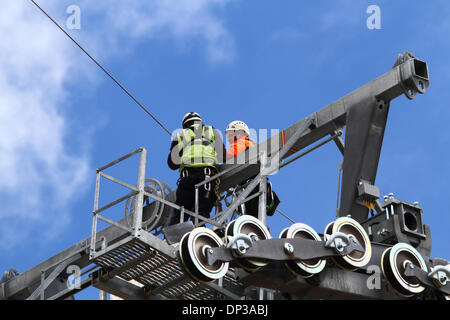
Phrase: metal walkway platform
[155,264]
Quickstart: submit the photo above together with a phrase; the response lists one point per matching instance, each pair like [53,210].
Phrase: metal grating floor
[158,272]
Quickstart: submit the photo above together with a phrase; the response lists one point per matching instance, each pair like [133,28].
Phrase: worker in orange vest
[237,134]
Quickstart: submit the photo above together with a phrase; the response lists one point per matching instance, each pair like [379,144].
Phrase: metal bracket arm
[424,279]
[276,250]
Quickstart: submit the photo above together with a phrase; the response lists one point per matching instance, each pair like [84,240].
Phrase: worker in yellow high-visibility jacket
[195,151]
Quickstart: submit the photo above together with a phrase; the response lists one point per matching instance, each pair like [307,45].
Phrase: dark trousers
[252,206]
[186,193]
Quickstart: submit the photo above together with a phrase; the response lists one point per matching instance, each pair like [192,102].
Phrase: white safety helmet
[190,116]
[238,125]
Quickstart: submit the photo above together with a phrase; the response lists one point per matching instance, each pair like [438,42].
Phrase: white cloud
[37,171]
[184,21]
[40,172]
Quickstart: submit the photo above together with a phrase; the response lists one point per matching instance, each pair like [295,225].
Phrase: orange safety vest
[239,146]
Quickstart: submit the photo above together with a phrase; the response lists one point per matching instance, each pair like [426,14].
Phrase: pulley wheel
[355,259]
[192,251]
[393,263]
[303,268]
[283,233]
[254,228]
[329,228]
[157,217]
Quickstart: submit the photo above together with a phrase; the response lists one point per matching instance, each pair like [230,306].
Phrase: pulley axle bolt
[339,245]
[442,278]
[206,249]
[288,248]
[407,263]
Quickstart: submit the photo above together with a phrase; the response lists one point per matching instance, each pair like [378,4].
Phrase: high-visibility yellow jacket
[196,146]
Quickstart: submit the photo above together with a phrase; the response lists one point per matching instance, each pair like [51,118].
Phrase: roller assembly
[303,268]
[407,273]
[351,227]
[193,254]
[249,245]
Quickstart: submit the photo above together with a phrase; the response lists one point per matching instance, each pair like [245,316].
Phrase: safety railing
[137,191]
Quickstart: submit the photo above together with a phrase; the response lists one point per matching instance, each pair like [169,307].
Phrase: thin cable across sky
[104,70]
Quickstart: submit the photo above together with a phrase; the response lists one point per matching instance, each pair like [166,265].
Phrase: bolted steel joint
[241,246]
[440,275]
[239,243]
[339,244]
[288,248]
[343,243]
[442,278]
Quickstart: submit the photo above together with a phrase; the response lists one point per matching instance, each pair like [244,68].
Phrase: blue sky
[267,64]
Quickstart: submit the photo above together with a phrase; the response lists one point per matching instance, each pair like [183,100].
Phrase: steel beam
[331,283]
[364,112]
[121,288]
[46,281]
